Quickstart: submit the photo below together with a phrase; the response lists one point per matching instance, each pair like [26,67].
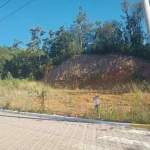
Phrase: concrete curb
[147,126]
[75,119]
[64,118]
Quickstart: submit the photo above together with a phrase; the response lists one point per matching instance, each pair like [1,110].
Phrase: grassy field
[127,103]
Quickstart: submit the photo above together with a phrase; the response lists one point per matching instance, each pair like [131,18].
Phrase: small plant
[42,97]
[9,76]
[97,74]
[27,105]
[7,105]
[138,75]
[31,77]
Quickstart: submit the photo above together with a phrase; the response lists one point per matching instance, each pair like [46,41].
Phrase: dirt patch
[94,71]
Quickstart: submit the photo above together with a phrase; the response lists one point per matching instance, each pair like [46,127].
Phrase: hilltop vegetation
[49,49]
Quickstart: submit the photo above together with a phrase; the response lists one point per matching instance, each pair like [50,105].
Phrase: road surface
[19,132]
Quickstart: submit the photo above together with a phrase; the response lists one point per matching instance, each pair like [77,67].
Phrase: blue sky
[51,14]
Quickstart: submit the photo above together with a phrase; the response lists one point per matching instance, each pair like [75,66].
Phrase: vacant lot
[129,103]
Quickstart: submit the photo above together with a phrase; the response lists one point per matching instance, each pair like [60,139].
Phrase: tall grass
[131,104]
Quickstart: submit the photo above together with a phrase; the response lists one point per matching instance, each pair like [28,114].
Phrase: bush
[9,76]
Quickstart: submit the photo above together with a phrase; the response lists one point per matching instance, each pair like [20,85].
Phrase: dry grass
[133,106]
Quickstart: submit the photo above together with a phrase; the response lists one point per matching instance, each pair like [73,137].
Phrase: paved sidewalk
[18,132]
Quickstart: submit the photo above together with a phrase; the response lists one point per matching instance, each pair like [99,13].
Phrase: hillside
[93,71]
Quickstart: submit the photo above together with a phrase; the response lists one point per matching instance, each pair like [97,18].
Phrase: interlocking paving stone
[137,131]
[18,132]
[126,141]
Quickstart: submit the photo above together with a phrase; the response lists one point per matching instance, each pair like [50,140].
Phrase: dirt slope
[94,71]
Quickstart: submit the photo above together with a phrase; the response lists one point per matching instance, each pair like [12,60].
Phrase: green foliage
[16,44]
[42,101]
[9,76]
[133,27]
[22,63]
[31,77]
[35,42]
[5,56]
[127,37]
[82,29]
[138,75]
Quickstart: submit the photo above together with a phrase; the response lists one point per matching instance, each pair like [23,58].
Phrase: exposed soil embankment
[94,71]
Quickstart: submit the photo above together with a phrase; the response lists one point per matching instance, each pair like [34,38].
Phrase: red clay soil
[94,71]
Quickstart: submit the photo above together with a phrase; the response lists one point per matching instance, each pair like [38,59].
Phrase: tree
[108,37]
[59,45]
[5,56]
[133,30]
[35,42]
[16,44]
[24,63]
[82,30]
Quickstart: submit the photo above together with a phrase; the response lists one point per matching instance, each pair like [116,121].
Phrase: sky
[50,15]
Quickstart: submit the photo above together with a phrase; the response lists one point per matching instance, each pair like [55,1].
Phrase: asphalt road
[20,132]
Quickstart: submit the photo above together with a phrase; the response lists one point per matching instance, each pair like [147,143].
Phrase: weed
[97,74]
[27,105]
[7,105]
[131,106]
[42,97]
[138,75]
[9,76]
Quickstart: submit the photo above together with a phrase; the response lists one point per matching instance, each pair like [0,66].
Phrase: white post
[146,9]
